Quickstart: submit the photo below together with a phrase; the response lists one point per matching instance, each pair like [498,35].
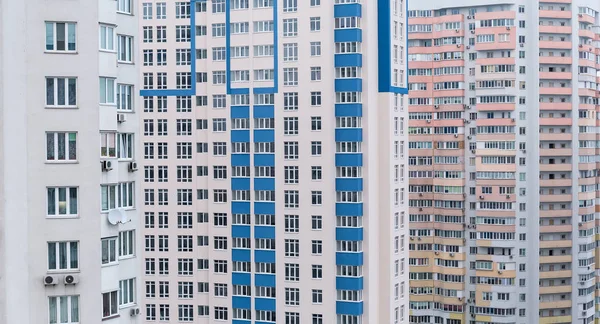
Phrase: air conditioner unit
[580,224]
[467,107]
[460,298]
[580,45]
[468,47]
[458,31]
[436,106]
[507,27]
[458,45]
[507,196]
[580,15]
[470,17]
[472,32]
[465,121]
[107,165]
[133,166]
[524,151]
[420,194]
[428,121]
[455,135]
[50,280]
[512,119]
[510,257]
[481,197]
[412,238]
[473,151]
[469,137]
[451,254]
[121,118]
[464,194]
[134,312]
[522,45]
[499,271]
[420,209]
[419,238]
[437,253]
[71,279]
[582,283]
[470,300]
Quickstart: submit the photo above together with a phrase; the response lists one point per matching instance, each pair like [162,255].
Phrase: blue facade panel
[242,91]
[349,233]
[266,304]
[241,302]
[266,232]
[243,255]
[240,207]
[237,321]
[264,135]
[264,280]
[349,184]
[348,159]
[240,183]
[347,35]
[264,208]
[347,10]
[349,308]
[348,135]
[264,183]
[266,256]
[349,283]
[263,111]
[240,231]
[350,85]
[266,90]
[348,110]
[240,159]
[349,59]
[240,111]
[264,159]
[349,258]
[238,135]
[241,278]
[348,209]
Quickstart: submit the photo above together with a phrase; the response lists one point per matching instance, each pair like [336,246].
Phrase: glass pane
[62,201]
[51,201]
[72,92]
[105,252]
[112,250]
[110,90]
[130,196]
[62,255]
[74,256]
[112,152]
[49,38]
[104,193]
[75,309]
[50,146]
[105,304]
[73,201]
[64,313]
[112,196]
[60,86]
[52,256]
[102,90]
[50,91]
[129,243]
[72,146]
[110,42]
[71,36]
[61,146]
[60,36]
[130,146]
[103,37]
[52,309]
[113,302]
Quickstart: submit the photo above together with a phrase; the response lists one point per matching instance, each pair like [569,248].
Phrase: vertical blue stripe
[384,39]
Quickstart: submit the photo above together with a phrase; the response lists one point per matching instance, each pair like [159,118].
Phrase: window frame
[55,91]
[113,304]
[67,203]
[106,42]
[73,311]
[112,255]
[54,49]
[68,251]
[56,146]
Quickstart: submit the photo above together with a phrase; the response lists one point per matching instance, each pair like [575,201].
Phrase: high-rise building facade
[503,159]
[274,161]
[68,128]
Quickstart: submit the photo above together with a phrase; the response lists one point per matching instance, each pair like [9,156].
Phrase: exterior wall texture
[503,159]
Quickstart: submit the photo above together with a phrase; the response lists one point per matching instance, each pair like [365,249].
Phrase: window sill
[111,264]
[107,51]
[127,257]
[60,271]
[110,317]
[62,217]
[62,162]
[62,107]
[125,13]
[108,104]
[120,111]
[127,306]
[61,52]
[125,62]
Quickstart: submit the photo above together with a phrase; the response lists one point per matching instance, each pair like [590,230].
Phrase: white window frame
[125,7]
[106,41]
[125,146]
[56,199]
[52,37]
[125,97]
[108,98]
[67,82]
[56,314]
[109,249]
[124,48]
[113,303]
[127,293]
[68,257]
[55,149]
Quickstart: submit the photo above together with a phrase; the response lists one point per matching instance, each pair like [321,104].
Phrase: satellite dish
[123,219]
[115,216]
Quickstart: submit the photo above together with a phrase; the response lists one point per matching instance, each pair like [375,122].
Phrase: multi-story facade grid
[503,161]
[274,161]
[69,132]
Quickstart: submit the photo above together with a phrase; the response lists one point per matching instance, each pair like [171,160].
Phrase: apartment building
[274,161]
[503,159]
[68,220]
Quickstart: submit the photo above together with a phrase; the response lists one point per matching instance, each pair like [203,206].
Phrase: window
[109,304]
[182,10]
[126,244]
[61,36]
[107,91]
[62,202]
[292,296]
[127,292]
[221,313]
[317,247]
[125,48]
[61,92]
[315,98]
[109,250]
[315,24]
[125,146]
[317,222]
[292,248]
[315,48]
[317,296]
[61,146]
[63,256]
[124,6]
[125,97]
[63,309]
[186,313]
[315,148]
[107,38]
[161,10]
[290,27]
